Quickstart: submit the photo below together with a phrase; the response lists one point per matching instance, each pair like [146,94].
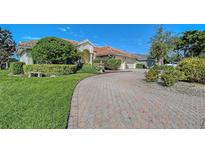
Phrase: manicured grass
[36,102]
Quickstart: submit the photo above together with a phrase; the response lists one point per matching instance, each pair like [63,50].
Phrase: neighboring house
[89,52]
[128,60]
[145,60]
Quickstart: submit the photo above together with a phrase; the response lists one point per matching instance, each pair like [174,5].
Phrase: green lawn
[36,102]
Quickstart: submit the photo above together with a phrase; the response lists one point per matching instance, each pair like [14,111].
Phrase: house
[145,60]
[89,53]
[85,46]
[128,60]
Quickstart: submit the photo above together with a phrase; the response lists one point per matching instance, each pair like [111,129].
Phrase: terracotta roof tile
[100,51]
[107,50]
[28,44]
[141,57]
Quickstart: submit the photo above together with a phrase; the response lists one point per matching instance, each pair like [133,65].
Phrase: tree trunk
[161,61]
[1,66]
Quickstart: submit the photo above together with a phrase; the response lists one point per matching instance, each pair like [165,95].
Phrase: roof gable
[86,41]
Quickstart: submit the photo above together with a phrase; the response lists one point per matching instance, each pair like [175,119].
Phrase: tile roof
[141,57]
[100,51]
[107,50]
[30,44]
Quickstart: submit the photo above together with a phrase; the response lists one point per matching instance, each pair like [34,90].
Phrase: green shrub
[162,67]
[154,73]
[193,68]
[151,75]
[171,76]
[99,60]
[88,68]
[51,69]
[140,65]
[53,50]
[16,68]
[112,64]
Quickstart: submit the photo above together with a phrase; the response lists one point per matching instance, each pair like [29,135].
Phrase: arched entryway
[86,49]
[85,55]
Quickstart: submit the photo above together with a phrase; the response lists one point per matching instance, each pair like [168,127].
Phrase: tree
[192,43]
[174,55]
[7,46]
[52,50]
[161,45]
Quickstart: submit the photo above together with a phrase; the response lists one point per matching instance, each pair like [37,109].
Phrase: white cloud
[62,29]
[31,38]
[69,30]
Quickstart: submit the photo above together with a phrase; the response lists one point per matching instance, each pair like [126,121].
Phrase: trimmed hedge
[193,68]
[140,65]
[16,68]
[88,68]
[51,69]
[113,64]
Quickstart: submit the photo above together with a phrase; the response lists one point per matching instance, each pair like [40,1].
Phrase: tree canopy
[52,50]
[192,43]
[161,43]
[7,46]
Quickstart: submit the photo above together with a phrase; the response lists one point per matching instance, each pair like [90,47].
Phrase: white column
[91,58]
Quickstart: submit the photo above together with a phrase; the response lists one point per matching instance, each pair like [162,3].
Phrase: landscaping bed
[189,70]
[194,89]
[36,102]
[187,88]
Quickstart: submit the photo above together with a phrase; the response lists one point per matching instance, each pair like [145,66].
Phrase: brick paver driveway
[124,100]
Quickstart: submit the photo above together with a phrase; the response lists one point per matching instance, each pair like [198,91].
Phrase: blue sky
[134,38]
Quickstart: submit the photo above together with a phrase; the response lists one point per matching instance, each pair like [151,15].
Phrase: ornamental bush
[98,60]
[52,50]
[162,67]
[16,68]
[50,69]
[113,64]
[88,68]
[152,75]
[193,68]
[171,76]
[140,65]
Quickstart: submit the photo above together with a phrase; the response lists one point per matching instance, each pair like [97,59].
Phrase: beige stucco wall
[89,47]
[26,58]
[127,63]
[85,46]
[123,65]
